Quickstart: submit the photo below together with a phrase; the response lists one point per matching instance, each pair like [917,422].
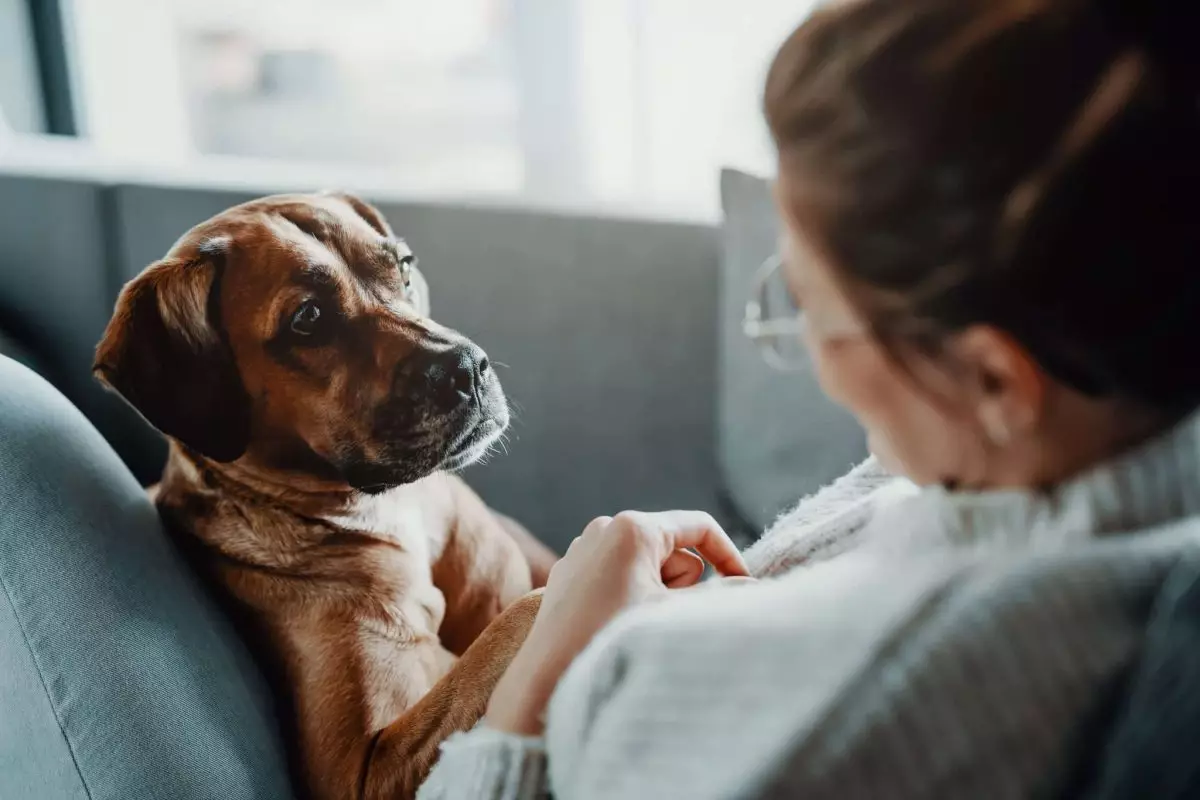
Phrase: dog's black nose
[454,374]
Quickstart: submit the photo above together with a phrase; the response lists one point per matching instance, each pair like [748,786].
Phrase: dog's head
[292,334]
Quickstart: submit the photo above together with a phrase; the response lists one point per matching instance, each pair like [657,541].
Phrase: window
[615,102]
[21,107]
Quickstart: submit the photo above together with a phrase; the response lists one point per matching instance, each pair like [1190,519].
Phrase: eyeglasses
[772,320]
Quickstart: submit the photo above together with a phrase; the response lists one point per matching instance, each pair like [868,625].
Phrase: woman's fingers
[682,568]
[669,531]
[700,532]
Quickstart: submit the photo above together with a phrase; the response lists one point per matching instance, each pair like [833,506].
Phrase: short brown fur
[383,620]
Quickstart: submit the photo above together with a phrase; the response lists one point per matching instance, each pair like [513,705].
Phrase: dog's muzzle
[452,378]
[441,393]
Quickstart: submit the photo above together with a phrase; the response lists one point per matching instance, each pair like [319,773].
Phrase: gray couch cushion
[118,678]
[778,437]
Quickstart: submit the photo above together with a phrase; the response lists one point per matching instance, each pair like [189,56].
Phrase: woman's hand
[615,563]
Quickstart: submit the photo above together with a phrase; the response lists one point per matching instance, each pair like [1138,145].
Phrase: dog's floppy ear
[166,353]
[365,210]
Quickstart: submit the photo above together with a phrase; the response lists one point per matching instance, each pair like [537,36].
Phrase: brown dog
[315,414]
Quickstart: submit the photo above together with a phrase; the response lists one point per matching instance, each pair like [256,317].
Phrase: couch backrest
[56,293]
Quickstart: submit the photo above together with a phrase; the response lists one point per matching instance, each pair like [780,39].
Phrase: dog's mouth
[412,440]
[468,445]
[475,443]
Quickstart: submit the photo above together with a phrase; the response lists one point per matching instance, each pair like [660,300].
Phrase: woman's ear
[1007,385]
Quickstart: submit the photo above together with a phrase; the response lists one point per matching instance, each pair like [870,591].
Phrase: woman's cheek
[849,376]
[827,368]
[866,385]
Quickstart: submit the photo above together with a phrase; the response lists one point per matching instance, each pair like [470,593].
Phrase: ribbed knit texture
[958,645]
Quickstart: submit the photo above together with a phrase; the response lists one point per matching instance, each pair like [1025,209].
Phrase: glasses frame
[769,334]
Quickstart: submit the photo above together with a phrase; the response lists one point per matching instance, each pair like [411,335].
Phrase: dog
[316,416]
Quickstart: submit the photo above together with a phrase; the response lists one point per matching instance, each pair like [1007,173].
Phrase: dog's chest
[399,517]
[419,535]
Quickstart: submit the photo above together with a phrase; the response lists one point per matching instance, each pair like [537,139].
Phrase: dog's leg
[480,571]
[540,557]
[377,737]
[402,754]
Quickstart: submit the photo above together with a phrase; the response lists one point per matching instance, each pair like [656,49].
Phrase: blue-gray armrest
[119,679]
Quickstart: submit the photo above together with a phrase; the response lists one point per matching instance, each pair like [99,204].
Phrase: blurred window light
[20,86]
[614,102]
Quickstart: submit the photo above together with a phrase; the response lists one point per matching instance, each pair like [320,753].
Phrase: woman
[983,227]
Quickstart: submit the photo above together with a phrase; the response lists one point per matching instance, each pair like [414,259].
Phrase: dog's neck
[300,494]
[396,515]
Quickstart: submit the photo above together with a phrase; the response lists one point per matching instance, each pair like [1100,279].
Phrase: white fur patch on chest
[402,516]
[407,517]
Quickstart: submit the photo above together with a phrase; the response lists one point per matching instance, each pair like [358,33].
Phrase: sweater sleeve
[694,696]
[487,764]
[862,677]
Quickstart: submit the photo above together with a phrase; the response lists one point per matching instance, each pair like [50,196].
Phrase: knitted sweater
[959,645]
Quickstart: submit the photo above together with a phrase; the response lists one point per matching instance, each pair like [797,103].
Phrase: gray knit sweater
[959,645]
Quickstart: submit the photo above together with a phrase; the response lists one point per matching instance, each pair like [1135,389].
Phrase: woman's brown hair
[1027,164]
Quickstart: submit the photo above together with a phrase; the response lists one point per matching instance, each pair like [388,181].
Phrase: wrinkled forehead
[296,239]
[276,252]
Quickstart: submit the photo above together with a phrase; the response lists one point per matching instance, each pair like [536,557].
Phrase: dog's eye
[407,264]
[306,319]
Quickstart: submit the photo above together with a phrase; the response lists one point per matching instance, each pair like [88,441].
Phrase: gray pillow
[778,437]
[119,678]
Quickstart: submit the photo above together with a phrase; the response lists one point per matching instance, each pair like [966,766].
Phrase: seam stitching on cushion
[45,686]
